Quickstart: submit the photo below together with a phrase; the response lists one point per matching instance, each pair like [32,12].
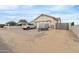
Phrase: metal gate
[63,26]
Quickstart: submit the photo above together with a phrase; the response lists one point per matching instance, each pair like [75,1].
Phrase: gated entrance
[63,26]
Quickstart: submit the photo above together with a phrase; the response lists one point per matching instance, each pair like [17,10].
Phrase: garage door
[43,24]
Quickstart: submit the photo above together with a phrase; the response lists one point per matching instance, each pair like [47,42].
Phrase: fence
[75,30]
[63,26]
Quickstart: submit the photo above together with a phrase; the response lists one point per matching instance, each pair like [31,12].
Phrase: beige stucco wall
[50,20]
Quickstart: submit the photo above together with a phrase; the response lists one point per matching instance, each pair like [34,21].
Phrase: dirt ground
[19,40]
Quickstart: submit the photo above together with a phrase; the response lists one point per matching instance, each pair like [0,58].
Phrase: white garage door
[42,23]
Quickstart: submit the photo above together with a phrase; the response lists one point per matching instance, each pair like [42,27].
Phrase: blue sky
[67,13]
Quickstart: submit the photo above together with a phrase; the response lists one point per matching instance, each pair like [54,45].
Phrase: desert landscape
[18,40]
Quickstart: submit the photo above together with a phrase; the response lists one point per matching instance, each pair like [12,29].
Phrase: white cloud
[8,7]
[56,8]
[60,8]
[11,17]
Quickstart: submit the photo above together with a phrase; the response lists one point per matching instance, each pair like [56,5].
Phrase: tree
[11,23]
[72,24]
[22,21]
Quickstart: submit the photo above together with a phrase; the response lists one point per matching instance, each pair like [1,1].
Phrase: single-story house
[46,19]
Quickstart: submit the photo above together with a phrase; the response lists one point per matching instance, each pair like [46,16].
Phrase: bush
[22,21]
[72,24]
[2,25]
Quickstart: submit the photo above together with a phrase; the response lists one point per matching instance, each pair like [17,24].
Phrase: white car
[27,26]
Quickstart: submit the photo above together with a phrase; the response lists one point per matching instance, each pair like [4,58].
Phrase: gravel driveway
[4,48]
[45,41]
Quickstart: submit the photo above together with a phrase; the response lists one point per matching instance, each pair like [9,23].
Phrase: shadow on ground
[4,48]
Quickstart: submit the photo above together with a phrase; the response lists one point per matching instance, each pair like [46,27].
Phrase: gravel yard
[19,40]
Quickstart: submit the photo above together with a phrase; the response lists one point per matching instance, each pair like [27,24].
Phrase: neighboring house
[47,19]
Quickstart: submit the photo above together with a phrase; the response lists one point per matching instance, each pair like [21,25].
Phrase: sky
[67,13]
